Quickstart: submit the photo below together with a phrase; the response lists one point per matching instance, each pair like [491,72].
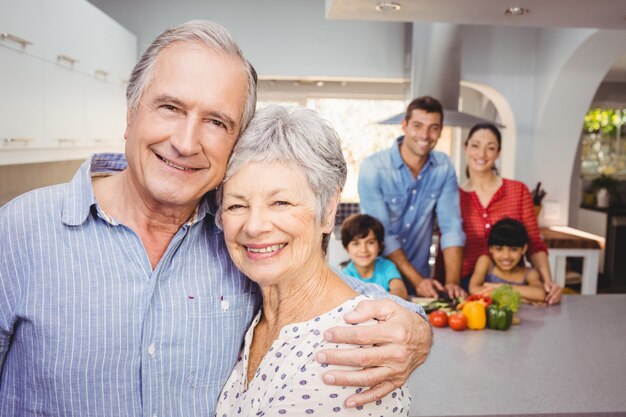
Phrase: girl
[508,242]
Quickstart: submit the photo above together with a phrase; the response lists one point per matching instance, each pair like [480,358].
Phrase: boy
[363,236]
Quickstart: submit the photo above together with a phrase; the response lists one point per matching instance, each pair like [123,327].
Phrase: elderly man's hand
[401,342]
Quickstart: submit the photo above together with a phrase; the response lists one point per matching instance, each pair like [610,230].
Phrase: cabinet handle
[67,141]
[67,58]
[16,39]
[24,141]
[101,73]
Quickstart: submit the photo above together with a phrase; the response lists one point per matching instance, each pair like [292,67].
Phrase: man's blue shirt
[407,205]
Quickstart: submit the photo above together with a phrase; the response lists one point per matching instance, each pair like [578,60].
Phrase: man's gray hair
[204,32]
[297,136]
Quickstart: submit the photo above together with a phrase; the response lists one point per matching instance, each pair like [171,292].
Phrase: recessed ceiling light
[516,11]
[387,6]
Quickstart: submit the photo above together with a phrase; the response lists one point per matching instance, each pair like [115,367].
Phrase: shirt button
[411,207]
[393,200]
[485,215]
[432,196]
[419,177]
[151,350]
[225,305]
[414,191]
[403,240]
[487,226]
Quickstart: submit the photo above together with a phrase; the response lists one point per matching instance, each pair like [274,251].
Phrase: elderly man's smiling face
[182,132]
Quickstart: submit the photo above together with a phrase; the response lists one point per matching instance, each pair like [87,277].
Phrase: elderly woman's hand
[402,341]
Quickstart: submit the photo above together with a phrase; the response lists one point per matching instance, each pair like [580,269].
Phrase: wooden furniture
[564,242]
[561,360]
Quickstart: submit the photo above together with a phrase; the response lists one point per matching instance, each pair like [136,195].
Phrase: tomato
[457,321]
[438,318]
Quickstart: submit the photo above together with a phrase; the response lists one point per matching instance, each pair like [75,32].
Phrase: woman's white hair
[301,138]
[205,33]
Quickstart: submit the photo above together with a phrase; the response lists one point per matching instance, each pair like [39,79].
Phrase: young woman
[486,198]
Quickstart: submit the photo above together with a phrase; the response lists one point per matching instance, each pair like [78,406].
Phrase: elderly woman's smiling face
[270,226]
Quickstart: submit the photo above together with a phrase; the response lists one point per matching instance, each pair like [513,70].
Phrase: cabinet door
[64,104]
[22,19]
[105,112]
[112,49]
[63,33]
[21,103]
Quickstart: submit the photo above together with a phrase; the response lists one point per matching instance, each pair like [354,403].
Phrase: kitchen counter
[561,360]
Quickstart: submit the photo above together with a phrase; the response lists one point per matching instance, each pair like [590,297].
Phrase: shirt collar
[80,200]
[397,160]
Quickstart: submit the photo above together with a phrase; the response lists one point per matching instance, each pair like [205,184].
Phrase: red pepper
[484,299]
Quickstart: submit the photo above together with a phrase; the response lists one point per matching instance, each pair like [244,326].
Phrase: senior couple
[118,296]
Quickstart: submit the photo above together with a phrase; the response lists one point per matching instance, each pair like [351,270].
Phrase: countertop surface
[561,360]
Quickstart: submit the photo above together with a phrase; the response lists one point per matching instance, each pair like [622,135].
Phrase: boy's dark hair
[508,232]
[357,226]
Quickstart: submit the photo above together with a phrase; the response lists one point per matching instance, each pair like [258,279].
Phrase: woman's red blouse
[512,200]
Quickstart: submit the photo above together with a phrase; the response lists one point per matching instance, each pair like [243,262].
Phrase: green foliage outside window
[604,121]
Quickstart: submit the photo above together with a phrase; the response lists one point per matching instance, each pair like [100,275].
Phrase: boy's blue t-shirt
[384,271]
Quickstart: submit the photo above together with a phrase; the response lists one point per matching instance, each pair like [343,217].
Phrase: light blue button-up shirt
[406,205]
[87,328]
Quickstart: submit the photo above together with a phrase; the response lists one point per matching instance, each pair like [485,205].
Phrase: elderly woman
[278,205]
[486,198]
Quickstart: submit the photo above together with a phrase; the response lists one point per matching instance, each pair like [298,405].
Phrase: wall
[504,58]
[17,179]
[547,76]
[559,124]
[280,37]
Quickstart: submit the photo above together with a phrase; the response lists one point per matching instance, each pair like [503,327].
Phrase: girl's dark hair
[490,127]
[358,226]
[508,232]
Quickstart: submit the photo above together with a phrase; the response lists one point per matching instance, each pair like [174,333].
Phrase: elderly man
[117,295]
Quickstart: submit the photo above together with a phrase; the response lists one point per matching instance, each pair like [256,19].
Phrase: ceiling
[600,14]
[604,14]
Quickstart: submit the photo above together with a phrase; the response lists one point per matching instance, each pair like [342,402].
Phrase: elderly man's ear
[328,223]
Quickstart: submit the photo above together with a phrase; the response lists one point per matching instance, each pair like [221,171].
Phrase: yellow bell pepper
[476,316]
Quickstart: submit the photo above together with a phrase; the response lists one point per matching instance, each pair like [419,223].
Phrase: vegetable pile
[496,311]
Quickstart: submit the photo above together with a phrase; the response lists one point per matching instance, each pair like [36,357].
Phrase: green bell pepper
[499,318]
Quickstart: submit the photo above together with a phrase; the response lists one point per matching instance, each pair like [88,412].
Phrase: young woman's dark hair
[358,226]
[490,127]
[508,232]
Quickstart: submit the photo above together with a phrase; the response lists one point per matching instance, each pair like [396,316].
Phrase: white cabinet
[63,71]
[63,24]
[105,113]
[21,25]
[64,106]
[21,100]
[112,49]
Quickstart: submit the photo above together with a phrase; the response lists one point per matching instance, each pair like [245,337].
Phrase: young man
[404,187]
[117,294]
